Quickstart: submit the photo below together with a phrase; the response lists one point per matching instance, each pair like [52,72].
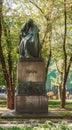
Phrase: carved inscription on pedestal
[31,71]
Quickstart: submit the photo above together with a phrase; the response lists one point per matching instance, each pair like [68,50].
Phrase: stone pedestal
[31,104]
[30,95]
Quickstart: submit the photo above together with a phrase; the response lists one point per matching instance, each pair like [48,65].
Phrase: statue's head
[30,22]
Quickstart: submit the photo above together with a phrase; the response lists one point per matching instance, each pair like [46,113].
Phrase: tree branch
[60,72]
[49,59]
[45,34]
[69,65]
[65,33]
[38,8]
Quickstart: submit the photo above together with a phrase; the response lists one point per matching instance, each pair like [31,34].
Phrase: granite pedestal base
[31,104]
[13,114]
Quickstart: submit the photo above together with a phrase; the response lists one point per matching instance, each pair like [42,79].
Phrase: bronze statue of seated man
[29,46]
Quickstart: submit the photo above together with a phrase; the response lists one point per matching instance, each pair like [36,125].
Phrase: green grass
[3,103]
[65,114]
[54,104]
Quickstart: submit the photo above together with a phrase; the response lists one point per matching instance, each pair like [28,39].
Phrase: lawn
[3,103]
[55,104]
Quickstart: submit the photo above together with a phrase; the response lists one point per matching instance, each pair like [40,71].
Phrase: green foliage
[13,128]
[47,14]
[16,128]
[2,81]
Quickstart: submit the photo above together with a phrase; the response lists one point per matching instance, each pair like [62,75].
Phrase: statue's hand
[24,34]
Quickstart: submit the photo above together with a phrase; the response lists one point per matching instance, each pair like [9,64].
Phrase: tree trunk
[10,97]
[6,72]
[10,87]
[59,91]
[63,97]
[9,83]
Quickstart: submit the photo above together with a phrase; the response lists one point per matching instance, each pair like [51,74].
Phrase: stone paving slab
[13,114]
